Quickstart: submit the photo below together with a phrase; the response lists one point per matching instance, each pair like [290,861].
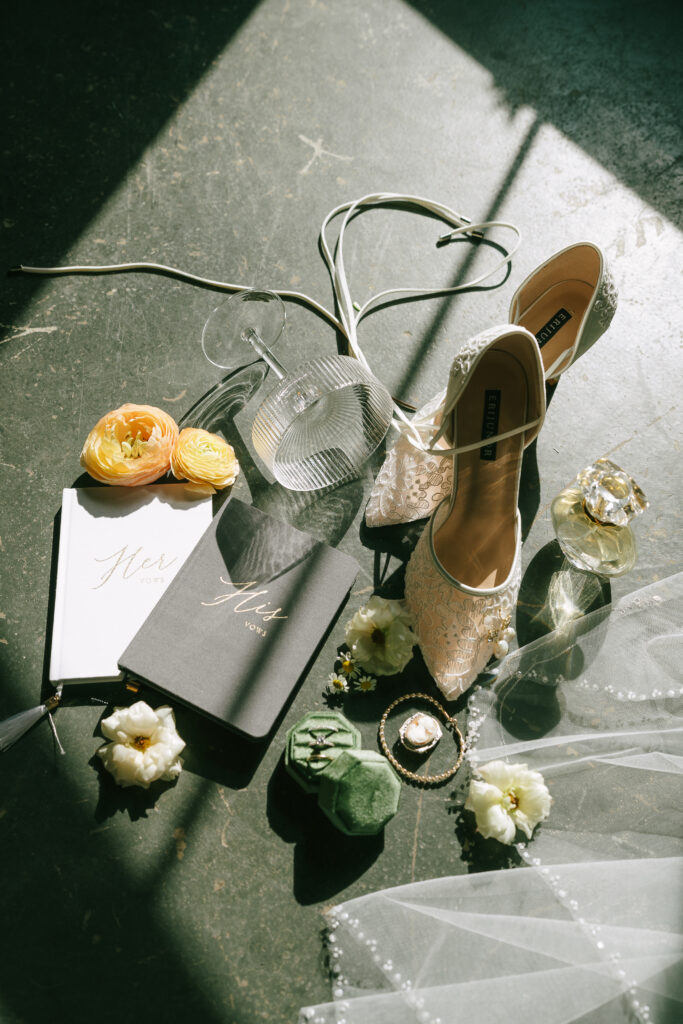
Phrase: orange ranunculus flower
[204,458]
[131,445]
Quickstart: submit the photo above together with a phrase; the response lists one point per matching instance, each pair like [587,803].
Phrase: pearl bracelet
[423,780]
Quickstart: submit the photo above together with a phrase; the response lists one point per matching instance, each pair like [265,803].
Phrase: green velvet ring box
[314,743]
[359,792]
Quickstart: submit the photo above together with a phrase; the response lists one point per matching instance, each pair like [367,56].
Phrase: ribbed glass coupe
[322,421]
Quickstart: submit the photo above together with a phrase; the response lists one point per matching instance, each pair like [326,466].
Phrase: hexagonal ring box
[314,742]
[359,792]
[357,789]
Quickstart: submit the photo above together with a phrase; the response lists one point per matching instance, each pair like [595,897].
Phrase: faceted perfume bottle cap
[611,495]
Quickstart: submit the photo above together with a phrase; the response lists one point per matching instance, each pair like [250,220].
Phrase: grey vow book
[242,619]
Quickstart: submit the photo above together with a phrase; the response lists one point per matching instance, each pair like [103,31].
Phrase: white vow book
[119,548]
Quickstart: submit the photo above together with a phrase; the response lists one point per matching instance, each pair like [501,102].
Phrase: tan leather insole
[571,296]
[476,543]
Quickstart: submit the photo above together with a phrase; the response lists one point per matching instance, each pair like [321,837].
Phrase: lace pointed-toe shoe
[463,578]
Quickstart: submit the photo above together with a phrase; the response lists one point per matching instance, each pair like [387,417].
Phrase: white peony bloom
[144,745]
[380,636]
[507,797]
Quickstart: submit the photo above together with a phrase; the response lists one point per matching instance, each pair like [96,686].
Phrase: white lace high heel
[567,303]
[463,578]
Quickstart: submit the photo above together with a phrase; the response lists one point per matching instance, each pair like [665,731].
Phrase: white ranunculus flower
[507,797]
[144,745]
[380,636]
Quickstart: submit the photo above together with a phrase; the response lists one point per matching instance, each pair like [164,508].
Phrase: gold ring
[423,780]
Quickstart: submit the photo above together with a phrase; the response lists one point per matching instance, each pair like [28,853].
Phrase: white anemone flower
[144,745]
[508,797]
[380,636]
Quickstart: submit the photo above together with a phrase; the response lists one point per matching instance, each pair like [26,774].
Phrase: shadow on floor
[85,89]
[601,74]
[325,860]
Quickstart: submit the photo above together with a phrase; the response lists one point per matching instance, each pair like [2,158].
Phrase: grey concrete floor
[215,138]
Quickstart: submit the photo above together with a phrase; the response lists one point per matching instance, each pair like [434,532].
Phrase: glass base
[321,424]
[219,406]
[226,334]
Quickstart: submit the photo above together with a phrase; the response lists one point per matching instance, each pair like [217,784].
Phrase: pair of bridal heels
[567,304]
[460,461]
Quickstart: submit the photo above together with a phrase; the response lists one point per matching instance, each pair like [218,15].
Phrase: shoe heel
[567,304]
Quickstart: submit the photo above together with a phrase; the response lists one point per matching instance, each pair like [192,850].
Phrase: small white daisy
[366,684]
[336,683]
[347,664]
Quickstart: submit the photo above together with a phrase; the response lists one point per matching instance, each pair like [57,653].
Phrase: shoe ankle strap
[483,442]
[562,363]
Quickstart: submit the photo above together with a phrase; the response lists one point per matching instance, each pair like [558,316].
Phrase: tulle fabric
[587,926]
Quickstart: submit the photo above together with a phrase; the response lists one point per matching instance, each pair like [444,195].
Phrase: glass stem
[259,346]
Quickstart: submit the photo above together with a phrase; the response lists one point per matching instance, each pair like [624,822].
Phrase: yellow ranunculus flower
[131,445]
[204,458]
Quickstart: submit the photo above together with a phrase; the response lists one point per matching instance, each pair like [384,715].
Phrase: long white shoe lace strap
[350,314]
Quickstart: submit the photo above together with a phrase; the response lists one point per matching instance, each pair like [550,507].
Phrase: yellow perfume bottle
[591,518]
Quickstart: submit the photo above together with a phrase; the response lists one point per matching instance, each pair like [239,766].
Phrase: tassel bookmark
[12,729]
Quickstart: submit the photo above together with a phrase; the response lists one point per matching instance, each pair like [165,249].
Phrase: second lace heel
[567,304]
